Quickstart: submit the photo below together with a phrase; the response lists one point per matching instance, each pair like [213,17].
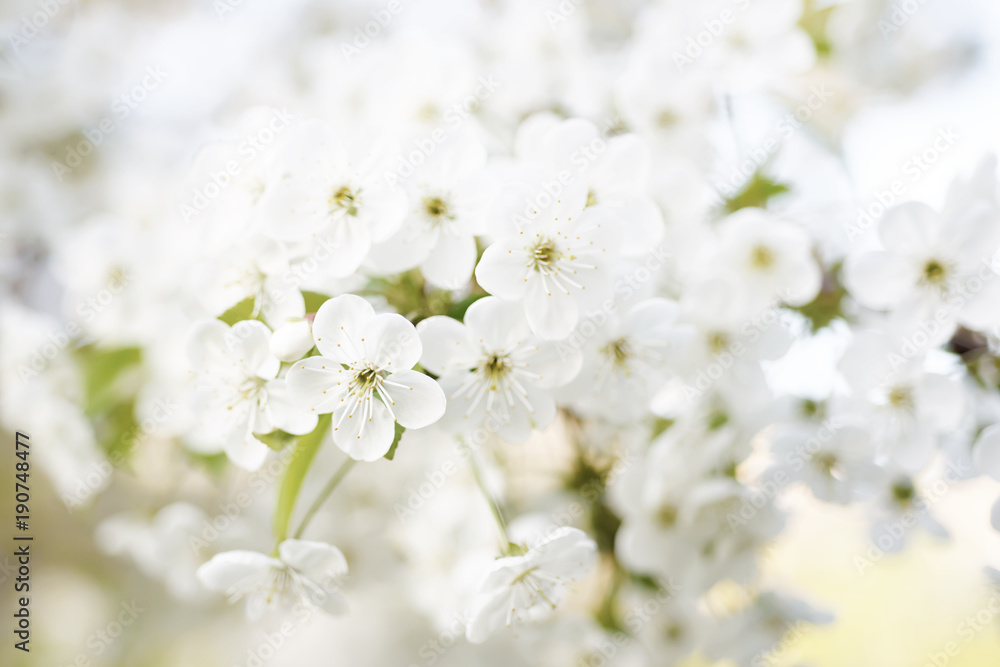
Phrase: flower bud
[291,341]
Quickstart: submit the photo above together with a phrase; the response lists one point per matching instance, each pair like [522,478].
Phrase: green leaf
[660,426]
[828,304]
[395,442]
[215,464]
[815,23]
[757,193]
[101,367]
[117,431]
[458,309]
[314,300]
[276,440]
[295,474]
[241,311]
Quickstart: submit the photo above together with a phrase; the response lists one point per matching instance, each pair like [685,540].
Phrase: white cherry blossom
[238,390]
[364,377]
[334,187]
[530,586]
[552,253]
[496,374]
[303,574]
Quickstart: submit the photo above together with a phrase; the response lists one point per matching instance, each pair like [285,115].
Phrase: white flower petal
[910,229]
[251,342]
[288,415]
[317,384]
[556,363]
[987,451]
[445,344]
[417,400]
[502,269]
[321,562]
[390,341]
[364,436]
[339,327]
[236,571]
[552,312]
[207,345]
[496,324]
[879,279]
[451,262]
[245,450]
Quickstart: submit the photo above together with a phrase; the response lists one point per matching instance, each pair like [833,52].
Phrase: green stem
[324,494]
[295,473]
[494,506]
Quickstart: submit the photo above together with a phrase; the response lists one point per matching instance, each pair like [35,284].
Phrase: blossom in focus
[363,377]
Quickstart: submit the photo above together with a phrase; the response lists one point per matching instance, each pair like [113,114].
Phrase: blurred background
[104,106]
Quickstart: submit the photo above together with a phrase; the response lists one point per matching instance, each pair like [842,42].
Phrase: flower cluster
[429,286]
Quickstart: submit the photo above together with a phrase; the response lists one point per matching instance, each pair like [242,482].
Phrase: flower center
[251,389]
[366,379]
[826,462]
[718,341]
[903,491]
[762,258]
[666,516]
[900,398]
[618,352]
[557,267]
[437,209]
[499,381]
[591,198]
[497,366]
[666,118]
[344,199]
[934,273]
[810,408]
[524,575]
[543,254]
